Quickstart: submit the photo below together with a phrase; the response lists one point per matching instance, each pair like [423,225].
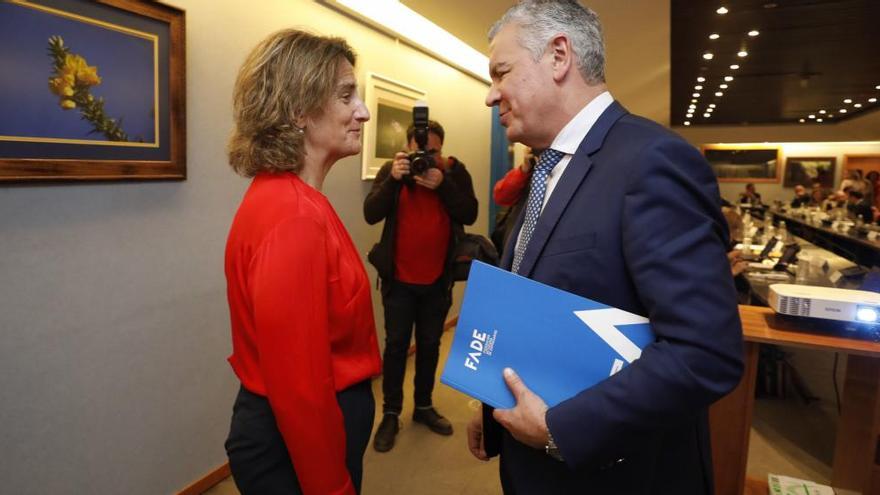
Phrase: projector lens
[867,315]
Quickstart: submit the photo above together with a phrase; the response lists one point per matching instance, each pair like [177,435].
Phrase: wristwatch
[551,449]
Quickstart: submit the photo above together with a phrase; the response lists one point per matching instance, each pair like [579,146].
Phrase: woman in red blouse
[303,336]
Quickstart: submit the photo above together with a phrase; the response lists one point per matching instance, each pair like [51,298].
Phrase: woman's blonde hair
[289,75]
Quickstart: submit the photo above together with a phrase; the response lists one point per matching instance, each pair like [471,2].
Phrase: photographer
[425,204]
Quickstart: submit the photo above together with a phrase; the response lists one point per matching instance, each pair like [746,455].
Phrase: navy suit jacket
[635,222]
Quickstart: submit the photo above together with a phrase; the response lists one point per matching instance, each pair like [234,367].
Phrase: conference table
[856,463]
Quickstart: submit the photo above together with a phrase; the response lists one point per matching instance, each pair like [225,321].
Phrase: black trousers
[257,454]
[426,307]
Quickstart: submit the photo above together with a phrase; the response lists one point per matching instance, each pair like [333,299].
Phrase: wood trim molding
[207,481]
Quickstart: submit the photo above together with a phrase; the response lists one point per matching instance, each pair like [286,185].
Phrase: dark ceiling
[809,56]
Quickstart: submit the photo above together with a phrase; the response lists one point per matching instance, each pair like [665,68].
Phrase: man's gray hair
[541,20]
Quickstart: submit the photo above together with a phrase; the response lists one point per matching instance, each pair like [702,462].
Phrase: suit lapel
[568,184]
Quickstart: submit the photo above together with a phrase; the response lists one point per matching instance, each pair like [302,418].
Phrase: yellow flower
[84,73]
[67,104]
[61,86]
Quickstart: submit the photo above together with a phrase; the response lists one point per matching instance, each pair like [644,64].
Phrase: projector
[828,303]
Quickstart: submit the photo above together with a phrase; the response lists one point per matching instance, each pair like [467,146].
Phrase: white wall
[112,296]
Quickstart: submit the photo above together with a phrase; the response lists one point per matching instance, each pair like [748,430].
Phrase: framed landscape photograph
[97,91]
[806,170]
[736,163]
[390,103]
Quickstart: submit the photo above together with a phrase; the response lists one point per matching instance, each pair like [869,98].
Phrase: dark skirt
[258,457]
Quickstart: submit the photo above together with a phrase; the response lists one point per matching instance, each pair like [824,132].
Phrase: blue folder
[559,343]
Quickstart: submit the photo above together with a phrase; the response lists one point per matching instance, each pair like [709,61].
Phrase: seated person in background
[859,207]
[873,178]
[801,198]
[817,194]
[750,196]
[853,181]
[734,224]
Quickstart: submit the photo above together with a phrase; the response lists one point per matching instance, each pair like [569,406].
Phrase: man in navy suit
[627,213]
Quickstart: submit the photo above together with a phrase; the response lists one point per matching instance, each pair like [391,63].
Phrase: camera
[420,160]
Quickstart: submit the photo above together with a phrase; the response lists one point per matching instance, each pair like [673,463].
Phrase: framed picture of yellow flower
[92,90]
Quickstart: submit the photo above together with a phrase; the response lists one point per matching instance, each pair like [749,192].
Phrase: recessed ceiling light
[822,111]
[818,120]
[692,106]
[753,33]
[714,36]
[708,56]
[701,79]
[710,110]
[707,115]
[698,87]
[734,67]
[722,86]
[877,86]
[722,10]
[872,100]
[687,123]
[719,93]
[694,100]
[728,78]
[858,105]
[842,110]
[711,105]
[802,121]
[847,101]
[742,54]
[811,116]
[696,95]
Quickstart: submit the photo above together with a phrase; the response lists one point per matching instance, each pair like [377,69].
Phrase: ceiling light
[802,121]
[714,36]
[818,120]
[711,105]
[708,56]
[698,87]
[403,22]
[719,93]
[722,10]
[742,54]
[858,105]
[722,86]
[701,79]
[877,86]
[847,101]
[728,78]
[822,111]
[842,110]
[811,116]
[696,95]
[753,33]
[687,123]
[694,100]
[707,115]
[734,67]
[872,100]
[710,110]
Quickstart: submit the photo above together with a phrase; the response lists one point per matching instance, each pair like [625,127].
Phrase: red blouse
[509,188]
[302,320]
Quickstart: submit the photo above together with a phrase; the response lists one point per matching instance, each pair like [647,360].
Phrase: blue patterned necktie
[549,159]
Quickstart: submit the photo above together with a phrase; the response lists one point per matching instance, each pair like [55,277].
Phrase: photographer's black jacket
[457,195]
